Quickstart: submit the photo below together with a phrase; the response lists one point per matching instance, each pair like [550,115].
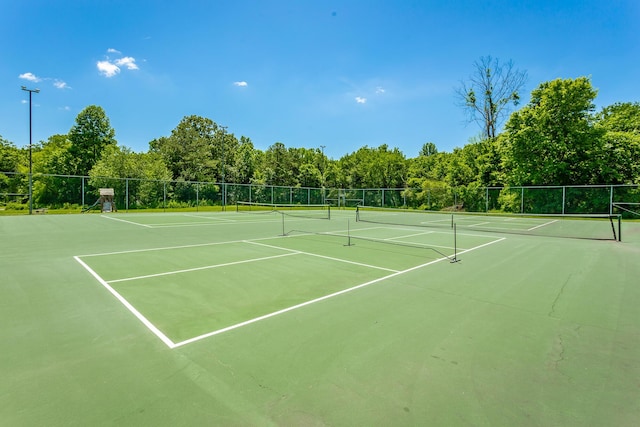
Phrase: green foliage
[620,117]
[552,141]
[373,168]
[9,156]
[509,200]
[556,139]
[91,134]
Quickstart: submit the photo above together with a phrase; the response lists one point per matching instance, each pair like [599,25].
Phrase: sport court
[272,318]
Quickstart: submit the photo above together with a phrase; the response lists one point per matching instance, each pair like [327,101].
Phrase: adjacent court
[312,316]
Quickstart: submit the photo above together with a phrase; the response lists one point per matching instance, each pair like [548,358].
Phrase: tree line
[558,138]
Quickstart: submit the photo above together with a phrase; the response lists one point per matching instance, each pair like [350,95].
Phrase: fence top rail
[323,188]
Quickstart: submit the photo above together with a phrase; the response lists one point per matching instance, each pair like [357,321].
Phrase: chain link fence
[77,192]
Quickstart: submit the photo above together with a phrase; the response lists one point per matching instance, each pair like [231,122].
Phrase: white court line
[478,224]
[322,256]
[206,267]
[209,217]
[129,307]
[316,300]
[124,220]
[408,235]
[164,248]
[542,225]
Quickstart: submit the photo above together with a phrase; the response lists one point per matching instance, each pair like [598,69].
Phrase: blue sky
[342,74]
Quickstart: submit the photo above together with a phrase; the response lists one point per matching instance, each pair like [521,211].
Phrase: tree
[374,168]
[552,140]
[428,149]
[620,159]
[9,162]
[620,117]
[9,156]
[246,161]
[148,171]
[54,157]
[490,91]
[189,151]
[91,134]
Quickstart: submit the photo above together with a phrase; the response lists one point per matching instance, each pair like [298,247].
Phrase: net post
[455,245]
[329,211]
[619,228]
[282,215]
[348,233]
[357,213]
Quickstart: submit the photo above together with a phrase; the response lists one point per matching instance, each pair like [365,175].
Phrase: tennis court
[316,317]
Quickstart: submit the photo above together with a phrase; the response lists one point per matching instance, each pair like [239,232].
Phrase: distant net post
[106,200]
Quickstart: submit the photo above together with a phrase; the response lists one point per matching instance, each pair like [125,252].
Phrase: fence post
[486,200]
[126,185]
[564,195]
[611,201]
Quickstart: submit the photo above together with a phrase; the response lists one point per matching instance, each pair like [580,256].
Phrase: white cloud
[30,76]
[59,84]
[128,62]
[241,84]
[107,68]
[379,90]
[361,100]
[110,67]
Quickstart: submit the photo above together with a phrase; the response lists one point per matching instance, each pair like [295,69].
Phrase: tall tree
[91,134]
[489,93]
[552,140]
[428,149]
[189,151]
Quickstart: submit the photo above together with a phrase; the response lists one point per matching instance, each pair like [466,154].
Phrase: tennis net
[297,210]
[579,226]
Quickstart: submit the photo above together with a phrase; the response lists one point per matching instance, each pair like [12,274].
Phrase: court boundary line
[157,332]
[172,345]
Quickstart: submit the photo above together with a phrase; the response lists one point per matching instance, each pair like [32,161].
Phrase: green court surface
[272,319]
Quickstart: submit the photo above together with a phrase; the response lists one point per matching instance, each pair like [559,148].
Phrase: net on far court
[579,226]
[297,210]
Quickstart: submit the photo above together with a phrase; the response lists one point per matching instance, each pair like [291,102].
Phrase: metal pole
[30,151]
[611,201]
[224,192]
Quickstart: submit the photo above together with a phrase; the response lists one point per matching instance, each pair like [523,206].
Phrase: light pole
[322,173]
[31,91]
[224,190]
